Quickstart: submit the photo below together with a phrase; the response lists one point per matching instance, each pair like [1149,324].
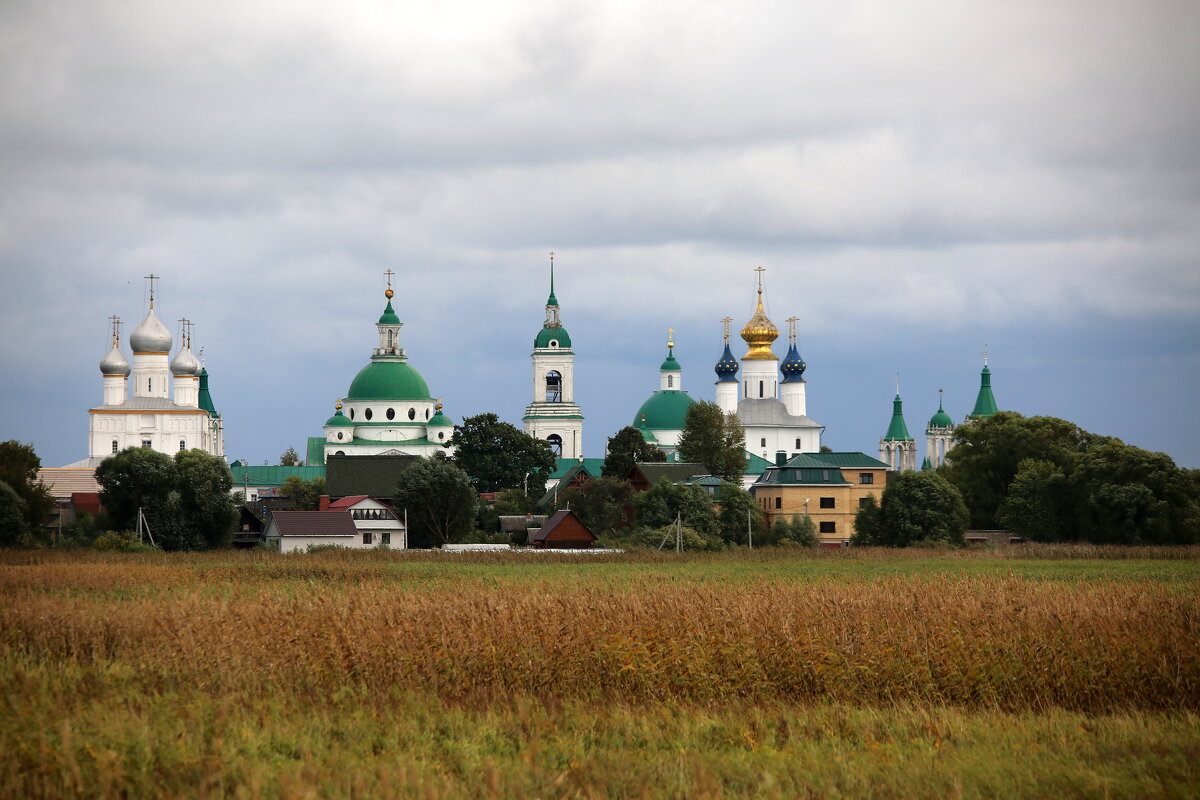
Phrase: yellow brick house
[827,487]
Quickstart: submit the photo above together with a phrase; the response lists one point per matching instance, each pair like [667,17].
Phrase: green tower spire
[985,401]
[552,300]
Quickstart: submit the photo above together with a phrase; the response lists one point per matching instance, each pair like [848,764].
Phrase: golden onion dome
[759,333]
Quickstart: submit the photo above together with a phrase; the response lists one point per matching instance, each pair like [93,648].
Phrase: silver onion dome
[114,363]
[151,336]
[185,364]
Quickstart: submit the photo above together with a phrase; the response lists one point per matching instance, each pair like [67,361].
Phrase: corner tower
[939,436]
[552,415]
[985,401]
[897,448]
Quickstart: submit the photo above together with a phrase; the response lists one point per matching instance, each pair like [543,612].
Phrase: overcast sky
[919,179]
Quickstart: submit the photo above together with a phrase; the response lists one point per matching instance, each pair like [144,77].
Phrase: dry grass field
[1015,673]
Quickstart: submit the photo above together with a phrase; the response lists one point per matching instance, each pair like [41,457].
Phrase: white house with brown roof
[297,530]
[376,522]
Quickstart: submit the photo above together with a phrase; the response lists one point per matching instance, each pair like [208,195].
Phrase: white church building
[157,402]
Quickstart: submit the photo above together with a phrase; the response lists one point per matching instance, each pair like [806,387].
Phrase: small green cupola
[670,372]
[941,419]
[338,420]
[985,401]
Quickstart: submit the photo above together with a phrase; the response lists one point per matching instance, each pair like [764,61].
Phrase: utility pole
[749,532]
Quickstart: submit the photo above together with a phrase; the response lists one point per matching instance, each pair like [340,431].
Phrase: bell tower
[552,415]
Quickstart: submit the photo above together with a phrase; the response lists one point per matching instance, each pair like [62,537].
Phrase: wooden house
[564,531]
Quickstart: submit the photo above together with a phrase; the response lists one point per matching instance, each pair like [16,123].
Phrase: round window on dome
[391,413]
[367,414]
[554,342]
[339,434]
[412,413]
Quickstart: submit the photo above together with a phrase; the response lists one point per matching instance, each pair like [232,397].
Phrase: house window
[828,527]
[114,445]
[797,444]
[385,538]
[182,445]
[367,536]
[145,442]
[391,413]
[779,502]
[827,502]
[862,501]
[367,414]
[866,478]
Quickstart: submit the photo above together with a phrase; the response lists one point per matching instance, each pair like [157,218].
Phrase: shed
[564,530]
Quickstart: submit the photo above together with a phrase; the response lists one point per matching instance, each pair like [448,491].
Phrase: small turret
[985,401]
[727,381]
[897,448]
[115,368]
[792,388]
[670,373]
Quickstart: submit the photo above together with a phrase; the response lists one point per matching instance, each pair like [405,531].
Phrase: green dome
[388,380]
[389,316]
[440,420]
[339,419]
[546,334]
[671,365]
[941,420]
[664,410]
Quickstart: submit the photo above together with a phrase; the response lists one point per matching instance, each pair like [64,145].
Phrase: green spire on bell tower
[552,300]
[985,401]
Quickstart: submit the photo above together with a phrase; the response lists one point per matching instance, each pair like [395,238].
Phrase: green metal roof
[926,464]
[665,410]
[941,419]
[272,476]
[985,402]
[849,460]
[897,431]
[339,419]
[440,420]
[592,466]
[559,334]
[316,451]
[670,364]
[205,399]
[388,380]
[389,316]
[755,465]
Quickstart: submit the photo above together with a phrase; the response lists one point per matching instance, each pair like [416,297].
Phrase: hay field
[768,674]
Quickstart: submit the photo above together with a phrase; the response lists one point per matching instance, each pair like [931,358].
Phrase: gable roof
[271,476]
[313,523]
[655,474]
[555,519]
[347,502]
[66,481]
[852,460]
[565,466]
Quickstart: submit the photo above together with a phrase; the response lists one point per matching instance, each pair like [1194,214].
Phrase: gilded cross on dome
[388,293]
[152,278]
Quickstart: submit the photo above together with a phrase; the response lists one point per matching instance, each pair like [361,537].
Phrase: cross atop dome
[760,332]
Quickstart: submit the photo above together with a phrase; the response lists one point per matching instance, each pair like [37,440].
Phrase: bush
[120,542]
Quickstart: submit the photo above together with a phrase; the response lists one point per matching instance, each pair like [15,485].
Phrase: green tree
[497,456]
[868,522]
[13,523]
[916,507]
[440,501]
[625,449]
[186,500]
[302,495]
[603,504]
[136,477]
[1036,503]
[205,496]
[798,530]
[737,507]
[19,465]
[987,455]
[290,458]
[660,504]
[715,439]
[664,538]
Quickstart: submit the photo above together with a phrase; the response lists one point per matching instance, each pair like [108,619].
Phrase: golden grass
[266,675]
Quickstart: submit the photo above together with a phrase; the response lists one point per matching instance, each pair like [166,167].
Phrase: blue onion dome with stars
[793,366]
[727,366]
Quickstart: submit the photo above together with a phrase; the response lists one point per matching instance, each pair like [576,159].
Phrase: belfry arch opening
[554,388]
[555,444]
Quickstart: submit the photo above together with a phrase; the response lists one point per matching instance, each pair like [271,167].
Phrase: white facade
[553,416]
[378,525]
[388,410]
[138,409]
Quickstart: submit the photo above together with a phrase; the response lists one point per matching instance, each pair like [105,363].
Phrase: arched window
[426,413]
[760,389]
[391,338]
[339,434]
[367,414]
[555,443]
[391,413]
[352,413]
[553,387]
[764,443]
[340,453]
[182,445]
[114,445]
[797,444]
[412,413]
[670,381]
